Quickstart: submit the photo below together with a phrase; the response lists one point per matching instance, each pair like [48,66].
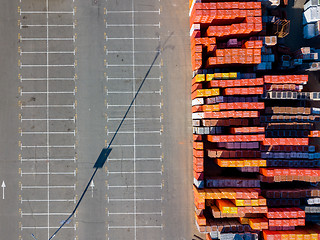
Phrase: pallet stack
[231,20]
[255,171]
[226,136]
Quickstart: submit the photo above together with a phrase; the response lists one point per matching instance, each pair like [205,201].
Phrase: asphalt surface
[47,113]
[9,163]
[78,67]
[145,190]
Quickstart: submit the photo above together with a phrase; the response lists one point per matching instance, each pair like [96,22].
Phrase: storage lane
[47,117]
[134,168]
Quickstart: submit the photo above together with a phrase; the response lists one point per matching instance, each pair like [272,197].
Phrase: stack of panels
[212,21]
[224,127]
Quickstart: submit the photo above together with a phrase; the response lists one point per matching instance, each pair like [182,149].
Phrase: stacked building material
[311,13]
[224,131]
[212,20]
[253,165]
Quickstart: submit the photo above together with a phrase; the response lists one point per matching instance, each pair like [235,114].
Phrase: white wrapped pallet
[194,27]
[309,31]
[311,15]
[311,3]
[318,52]
[197,101]
[198,115]
[270,3]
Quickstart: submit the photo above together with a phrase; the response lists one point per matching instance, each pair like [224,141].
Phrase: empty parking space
[118,143]
[35,125]
[61,31]
[117,114]
[122,180]
[145,231]
[119,153]
[112,32]
[149,192]
[126,18]
[149,206]
[120,207]
[62,58]
[146,165]
[115,193]
[120,58]
[63,44]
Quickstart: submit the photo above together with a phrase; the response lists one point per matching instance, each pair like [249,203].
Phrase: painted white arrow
[92,186]
[3,185]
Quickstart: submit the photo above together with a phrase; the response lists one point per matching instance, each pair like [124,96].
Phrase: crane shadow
[106,151]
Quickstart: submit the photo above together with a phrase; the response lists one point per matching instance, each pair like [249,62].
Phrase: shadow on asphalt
[108,149]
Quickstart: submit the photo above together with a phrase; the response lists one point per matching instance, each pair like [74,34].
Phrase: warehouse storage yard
[255,115]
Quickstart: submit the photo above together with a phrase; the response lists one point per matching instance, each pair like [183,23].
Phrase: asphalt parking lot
[71,72]
[134,188]
[47,115]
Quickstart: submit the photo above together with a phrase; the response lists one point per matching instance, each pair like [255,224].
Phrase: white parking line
[50,133]
[49,227]
[134,122]
[44,214]
[134,51]
[51,173]
[134,186]
[137,145]
[46,12]
[51,200]
[131,119]
[130,11]
[45,119]
[125,79]
[131,65]
[120,227]
[133,213]
[145,38]
[45,159]
[137,159]
[136,172]
[73,92]
[45,25]
[47,39]
[138,105]
[131,199]
[53,52]
[133,25]
[49,79]
[46,65]
[130,92]
[50,146]
[45,106]
[45,187]
[133,132]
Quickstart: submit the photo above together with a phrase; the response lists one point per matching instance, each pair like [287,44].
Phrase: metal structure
[282,27]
